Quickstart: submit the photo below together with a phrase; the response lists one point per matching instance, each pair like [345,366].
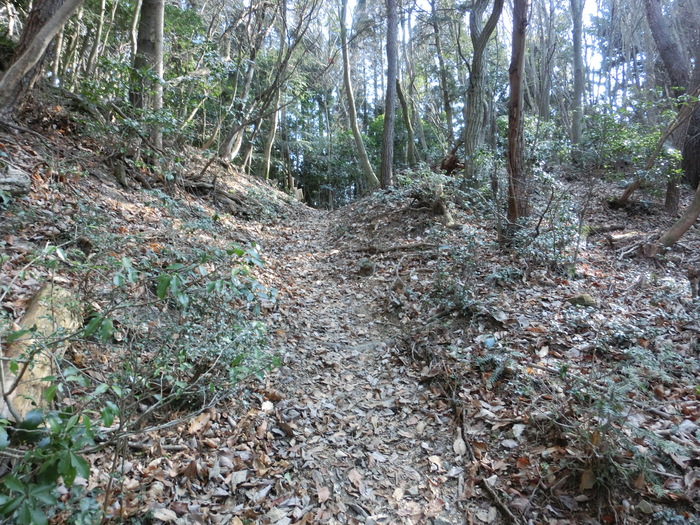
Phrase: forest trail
[373,445]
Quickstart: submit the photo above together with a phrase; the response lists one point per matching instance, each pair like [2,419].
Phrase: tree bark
[392,32]
[44,23]
[267,154]
[576,105]
[444,86]
[678,70]
[147,89]
[134,29]
[56,66]
[412,155]
[517,183]
[480,35]
[92,59]
[682,225]
[370,177]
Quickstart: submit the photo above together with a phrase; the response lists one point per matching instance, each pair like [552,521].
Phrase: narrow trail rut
[371,444]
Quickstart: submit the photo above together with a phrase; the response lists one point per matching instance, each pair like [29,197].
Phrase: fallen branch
[412,246]
[597,230]
[681,117]
[148,445]
[499,503]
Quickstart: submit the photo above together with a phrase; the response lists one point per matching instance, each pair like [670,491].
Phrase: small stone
[645,507]
[15,181]
[366,267]
[583,299]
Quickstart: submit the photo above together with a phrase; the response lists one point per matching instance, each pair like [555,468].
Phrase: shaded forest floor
[426,375]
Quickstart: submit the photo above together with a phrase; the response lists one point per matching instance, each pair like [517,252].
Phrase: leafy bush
[178,338]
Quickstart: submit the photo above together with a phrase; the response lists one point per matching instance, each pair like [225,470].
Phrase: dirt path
[371,443]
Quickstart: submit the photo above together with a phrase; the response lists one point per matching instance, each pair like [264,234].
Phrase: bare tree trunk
[392,59]
[678,69]
[134,32]
[68,71]
[147,93]
[56,66]
[232,142]
[38,34]
[480,35]
[444,87]
[517,183]
[412,155]
[267,154]
[576,105]
[682,225]
[90,68]
[370,177]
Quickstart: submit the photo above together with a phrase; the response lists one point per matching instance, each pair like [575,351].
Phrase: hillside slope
[420,371]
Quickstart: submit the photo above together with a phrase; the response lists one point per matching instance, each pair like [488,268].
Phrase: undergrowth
[171,328]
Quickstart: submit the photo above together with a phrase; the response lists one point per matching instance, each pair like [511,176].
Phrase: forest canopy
[332,99]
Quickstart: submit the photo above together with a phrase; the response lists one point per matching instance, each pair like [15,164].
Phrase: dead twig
[386,249]
[499,503]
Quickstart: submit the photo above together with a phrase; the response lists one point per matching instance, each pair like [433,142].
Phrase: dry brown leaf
[587,480]
[238,477]
[323,494]
[198,423]
[459,446]
[191,470]
[522,462]
[165,515]
[436,463]
[480,448]
[261,430]
[434,508]
[355,478]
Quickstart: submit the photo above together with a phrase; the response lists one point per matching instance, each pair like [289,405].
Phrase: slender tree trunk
[392,33]
[38,34]
[90,69]
[56,66]
[267,154]
[444,86]
[134,32]
[67,69]
[110,25]
[147,91]
[370,177]
[231,144]
[682,225]
[412,155]
[517,183]
[576,106]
